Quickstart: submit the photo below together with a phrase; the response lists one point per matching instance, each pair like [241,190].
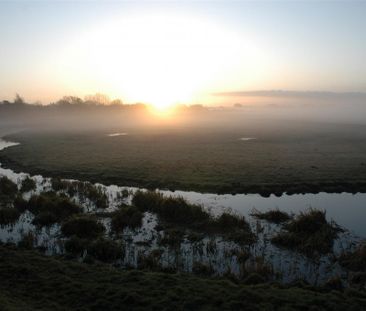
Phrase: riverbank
[31,281]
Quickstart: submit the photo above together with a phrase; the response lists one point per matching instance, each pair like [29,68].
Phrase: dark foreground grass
[309,233]
[30,281]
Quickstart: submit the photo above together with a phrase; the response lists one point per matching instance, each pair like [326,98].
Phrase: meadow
[288,157]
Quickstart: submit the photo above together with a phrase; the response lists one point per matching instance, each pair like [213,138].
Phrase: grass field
[289,158]
[31,281]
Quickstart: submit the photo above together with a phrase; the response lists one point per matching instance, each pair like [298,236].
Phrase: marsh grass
[275,216]
[178,213]
[83,227]
[8,215]
[172,238]
[28,184]
[355,261]
[8,189]
[309,233]
[49,208]
[84,189]
[126,216]
[20,204]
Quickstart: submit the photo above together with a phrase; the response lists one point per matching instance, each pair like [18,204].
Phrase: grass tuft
[84,227]
[126,216]
[309,233]
[8,215]
[177,212]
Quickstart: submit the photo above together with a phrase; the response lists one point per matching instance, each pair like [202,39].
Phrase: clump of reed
[309,233]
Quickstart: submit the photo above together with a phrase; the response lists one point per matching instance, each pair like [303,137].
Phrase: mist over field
[259,110]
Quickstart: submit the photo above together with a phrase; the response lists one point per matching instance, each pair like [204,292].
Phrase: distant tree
[98,98]
[70,100]
[116,102]
[18,100]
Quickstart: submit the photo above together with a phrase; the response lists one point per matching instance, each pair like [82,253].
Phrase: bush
[309,233]
[105,250]
[276,216]
[7,187]
[8,215]
[126,216]
[28,184]
[85,227]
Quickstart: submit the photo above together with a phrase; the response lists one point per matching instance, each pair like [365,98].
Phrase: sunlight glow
[155,59]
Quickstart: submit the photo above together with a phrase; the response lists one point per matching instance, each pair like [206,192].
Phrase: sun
[158,59]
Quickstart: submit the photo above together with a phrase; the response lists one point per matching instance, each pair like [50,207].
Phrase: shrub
[105,250]
[85,227]
[276,216]
[28,184]
[127,216]
[8,215]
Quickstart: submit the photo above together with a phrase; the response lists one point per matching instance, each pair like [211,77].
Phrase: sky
[179,51]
